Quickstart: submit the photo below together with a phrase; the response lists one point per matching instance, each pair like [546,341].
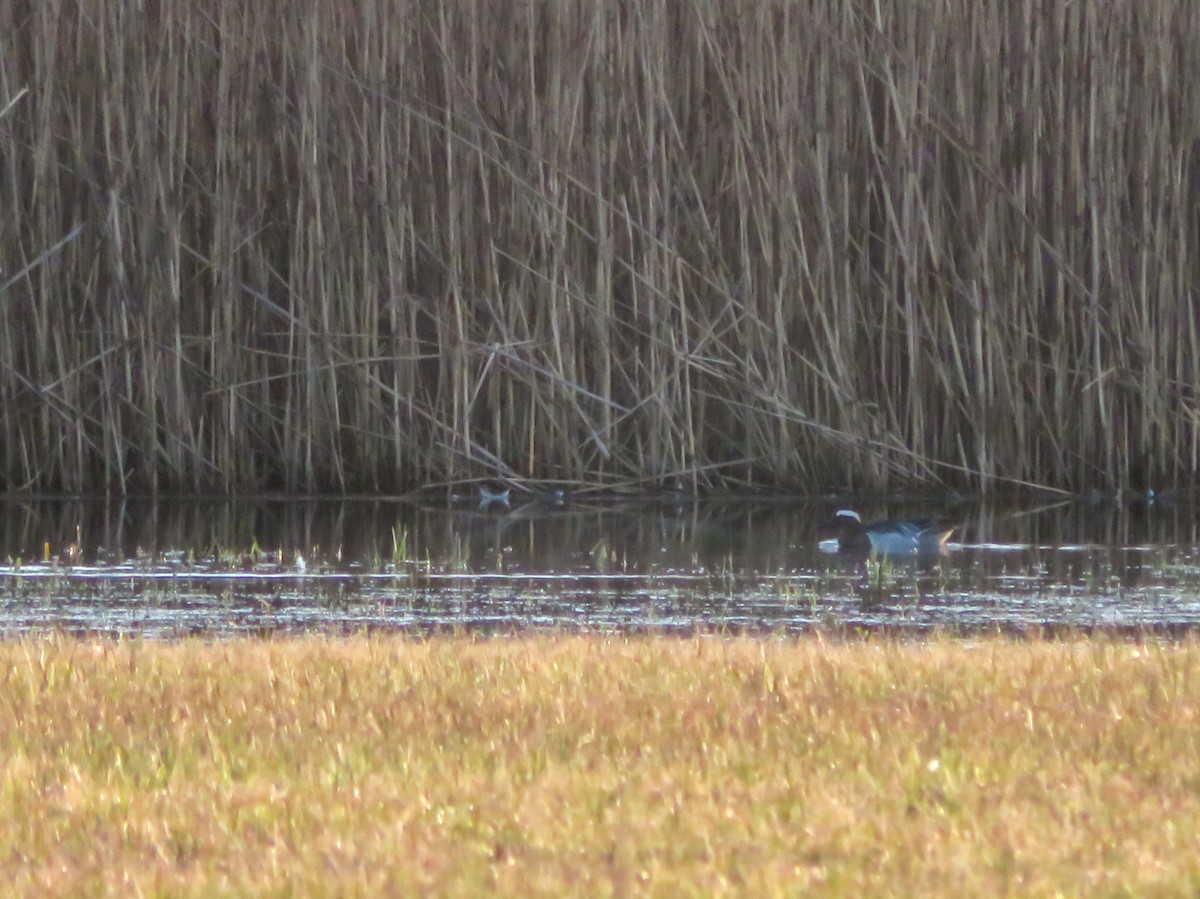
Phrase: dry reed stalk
[321,247]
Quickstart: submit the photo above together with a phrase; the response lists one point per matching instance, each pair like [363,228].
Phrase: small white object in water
[488,497]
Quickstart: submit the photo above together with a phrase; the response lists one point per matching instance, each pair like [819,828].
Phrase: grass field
[599,766]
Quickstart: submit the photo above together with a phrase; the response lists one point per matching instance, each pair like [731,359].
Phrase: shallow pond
[166,569]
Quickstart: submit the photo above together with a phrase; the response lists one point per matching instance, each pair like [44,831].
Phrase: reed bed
[598,766]
[323,246]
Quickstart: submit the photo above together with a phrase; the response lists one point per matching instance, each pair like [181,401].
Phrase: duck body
[888,537]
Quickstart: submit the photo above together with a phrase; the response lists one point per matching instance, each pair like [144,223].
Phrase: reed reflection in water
[220,566]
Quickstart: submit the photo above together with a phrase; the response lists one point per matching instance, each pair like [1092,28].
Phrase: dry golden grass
[597,766]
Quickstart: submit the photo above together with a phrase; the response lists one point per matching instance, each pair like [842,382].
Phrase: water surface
[166,569]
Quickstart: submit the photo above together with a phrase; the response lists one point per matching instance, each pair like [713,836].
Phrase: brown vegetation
[597,766]
[329,246]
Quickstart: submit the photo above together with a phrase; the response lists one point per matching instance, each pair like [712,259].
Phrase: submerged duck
[890,537]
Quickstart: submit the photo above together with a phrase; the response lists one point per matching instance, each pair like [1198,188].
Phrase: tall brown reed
[329,246]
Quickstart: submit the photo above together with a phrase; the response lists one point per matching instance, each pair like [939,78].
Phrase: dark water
[219,567]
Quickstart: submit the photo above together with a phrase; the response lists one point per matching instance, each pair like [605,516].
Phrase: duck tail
[944,530]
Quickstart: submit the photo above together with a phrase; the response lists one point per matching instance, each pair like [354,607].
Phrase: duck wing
[907,535]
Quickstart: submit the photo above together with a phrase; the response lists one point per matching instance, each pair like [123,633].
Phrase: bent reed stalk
[326,246]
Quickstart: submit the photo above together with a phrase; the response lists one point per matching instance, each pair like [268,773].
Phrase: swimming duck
[889,537]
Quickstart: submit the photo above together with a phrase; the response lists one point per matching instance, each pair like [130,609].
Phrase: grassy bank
[319,246]
[597,766]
